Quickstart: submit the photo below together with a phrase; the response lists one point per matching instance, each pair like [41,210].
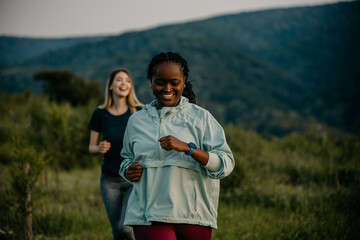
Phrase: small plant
[28,165]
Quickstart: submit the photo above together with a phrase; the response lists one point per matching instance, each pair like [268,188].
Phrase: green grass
[296,187]
[70,207]
[303,214]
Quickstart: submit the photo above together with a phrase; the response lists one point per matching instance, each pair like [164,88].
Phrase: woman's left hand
[169,143]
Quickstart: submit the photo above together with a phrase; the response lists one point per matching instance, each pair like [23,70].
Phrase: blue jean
[115,192]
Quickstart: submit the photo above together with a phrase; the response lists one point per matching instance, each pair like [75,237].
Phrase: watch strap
[192,149]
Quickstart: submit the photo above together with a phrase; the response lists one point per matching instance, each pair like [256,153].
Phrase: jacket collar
[151,107]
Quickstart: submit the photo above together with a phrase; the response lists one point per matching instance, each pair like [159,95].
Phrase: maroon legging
[170,231]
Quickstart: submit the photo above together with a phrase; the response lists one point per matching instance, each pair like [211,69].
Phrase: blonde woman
[110,120]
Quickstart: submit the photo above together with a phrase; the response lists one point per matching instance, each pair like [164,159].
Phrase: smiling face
[168,84]
[120,85]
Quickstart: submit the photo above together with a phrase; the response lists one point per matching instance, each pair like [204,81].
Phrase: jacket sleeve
[127,151]
[214,141]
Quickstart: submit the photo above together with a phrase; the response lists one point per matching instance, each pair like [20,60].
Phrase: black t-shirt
[112,129]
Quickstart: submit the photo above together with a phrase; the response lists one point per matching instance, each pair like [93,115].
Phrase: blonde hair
[131,99]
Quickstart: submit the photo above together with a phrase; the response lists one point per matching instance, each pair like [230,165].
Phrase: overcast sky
[64,18]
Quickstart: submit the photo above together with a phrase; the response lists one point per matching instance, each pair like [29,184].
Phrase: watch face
[192,145]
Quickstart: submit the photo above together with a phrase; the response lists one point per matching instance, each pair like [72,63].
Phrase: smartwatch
[192,149]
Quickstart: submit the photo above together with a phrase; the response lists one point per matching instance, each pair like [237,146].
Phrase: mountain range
[274,71]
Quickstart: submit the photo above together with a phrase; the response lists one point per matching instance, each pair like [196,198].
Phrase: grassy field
[302,186]
[289,188]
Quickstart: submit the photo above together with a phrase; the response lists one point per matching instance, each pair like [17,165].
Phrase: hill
[15,49]
[274,71]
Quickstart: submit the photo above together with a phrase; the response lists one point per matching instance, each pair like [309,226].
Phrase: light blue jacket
[174,188]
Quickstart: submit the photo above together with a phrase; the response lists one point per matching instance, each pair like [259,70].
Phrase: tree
[63,85]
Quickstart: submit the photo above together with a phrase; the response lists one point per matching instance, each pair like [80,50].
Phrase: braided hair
[175,58]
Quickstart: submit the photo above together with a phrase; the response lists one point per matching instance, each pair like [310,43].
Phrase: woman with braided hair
[174,153]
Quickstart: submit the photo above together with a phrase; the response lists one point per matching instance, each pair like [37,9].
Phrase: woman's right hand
[134,172]
[104,146]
